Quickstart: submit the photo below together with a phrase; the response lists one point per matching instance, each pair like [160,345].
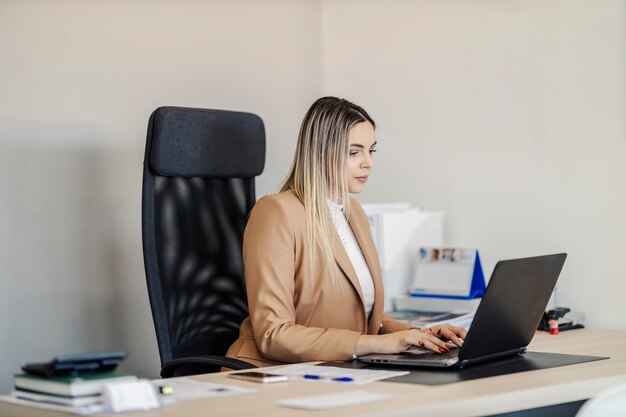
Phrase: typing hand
[400,342]
[448,332]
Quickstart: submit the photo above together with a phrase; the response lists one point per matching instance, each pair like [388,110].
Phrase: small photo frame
[452,272]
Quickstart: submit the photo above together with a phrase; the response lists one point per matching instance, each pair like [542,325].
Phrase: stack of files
[78,394]
[426,319]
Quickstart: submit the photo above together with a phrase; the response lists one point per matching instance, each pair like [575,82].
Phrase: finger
[412,339]
[446,330]
[427,341]
[441,332]
[440,345]
[436,330]
[436,345]
[453,337]
[458,331]
[462,333]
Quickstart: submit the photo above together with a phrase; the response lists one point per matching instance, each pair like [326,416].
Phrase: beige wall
[507,115]
[78,81]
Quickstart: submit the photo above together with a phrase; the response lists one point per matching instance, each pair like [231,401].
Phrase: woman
[312,273]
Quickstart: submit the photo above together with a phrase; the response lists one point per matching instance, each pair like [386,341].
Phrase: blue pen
[339,379]
[343,379]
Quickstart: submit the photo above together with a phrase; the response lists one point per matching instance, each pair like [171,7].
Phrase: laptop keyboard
[434,356]
[439,357]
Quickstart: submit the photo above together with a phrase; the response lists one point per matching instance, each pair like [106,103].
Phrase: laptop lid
[506,319]
[511,309]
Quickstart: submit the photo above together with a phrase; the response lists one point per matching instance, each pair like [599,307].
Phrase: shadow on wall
[71,267]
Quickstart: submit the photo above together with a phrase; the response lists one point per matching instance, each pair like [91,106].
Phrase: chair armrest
[168,370]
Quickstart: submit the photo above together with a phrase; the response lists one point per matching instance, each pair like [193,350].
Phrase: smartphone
[259,377]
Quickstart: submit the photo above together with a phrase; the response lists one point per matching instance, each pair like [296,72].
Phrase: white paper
[86,410]
[458,319]
[399,230]
[185,389]
[328,374]
[56,400]
[340,399]
[123,397]
[464,321]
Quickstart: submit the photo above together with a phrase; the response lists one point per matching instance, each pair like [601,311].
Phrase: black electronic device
[505,321]
[73,365]
[559,314]
[261,377]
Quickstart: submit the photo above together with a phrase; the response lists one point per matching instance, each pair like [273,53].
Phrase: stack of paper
[399,231]
[82,410]
[426,319]
[80,395]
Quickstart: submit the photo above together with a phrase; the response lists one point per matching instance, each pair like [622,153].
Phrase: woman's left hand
[447,332]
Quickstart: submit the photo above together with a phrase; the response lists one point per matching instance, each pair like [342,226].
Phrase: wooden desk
[471,398]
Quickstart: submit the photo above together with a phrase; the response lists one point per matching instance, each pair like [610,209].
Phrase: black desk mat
[529,361]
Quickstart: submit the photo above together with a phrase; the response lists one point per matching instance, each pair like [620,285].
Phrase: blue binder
[477,286]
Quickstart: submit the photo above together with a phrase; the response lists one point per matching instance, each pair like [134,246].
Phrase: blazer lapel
[363,236]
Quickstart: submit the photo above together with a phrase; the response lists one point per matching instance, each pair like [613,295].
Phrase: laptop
[506,319]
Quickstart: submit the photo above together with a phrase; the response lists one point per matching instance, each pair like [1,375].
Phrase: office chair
[198,188]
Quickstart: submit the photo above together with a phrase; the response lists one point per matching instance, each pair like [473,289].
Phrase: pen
[337,379]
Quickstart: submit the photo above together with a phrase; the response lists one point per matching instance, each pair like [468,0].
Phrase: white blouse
[346,235]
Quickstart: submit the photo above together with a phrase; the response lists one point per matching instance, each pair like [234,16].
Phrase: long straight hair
[318,171]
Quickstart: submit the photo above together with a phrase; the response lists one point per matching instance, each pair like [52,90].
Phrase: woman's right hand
[400,342]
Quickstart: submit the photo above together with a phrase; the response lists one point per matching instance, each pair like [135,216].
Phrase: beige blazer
[296,317]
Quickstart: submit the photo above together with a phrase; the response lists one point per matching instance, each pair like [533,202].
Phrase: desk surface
[471,398]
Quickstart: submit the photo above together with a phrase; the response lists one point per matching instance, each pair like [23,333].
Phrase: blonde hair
[318,171]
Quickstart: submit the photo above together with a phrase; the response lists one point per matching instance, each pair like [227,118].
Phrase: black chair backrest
[198,189]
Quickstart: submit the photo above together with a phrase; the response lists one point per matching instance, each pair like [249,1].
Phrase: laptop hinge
[467,362]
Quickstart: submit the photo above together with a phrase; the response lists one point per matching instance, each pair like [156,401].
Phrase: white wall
[78,81]
[507,115]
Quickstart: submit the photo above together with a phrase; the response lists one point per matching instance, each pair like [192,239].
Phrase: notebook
[506,319]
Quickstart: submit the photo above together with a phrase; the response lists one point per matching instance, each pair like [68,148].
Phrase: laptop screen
[512,306]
